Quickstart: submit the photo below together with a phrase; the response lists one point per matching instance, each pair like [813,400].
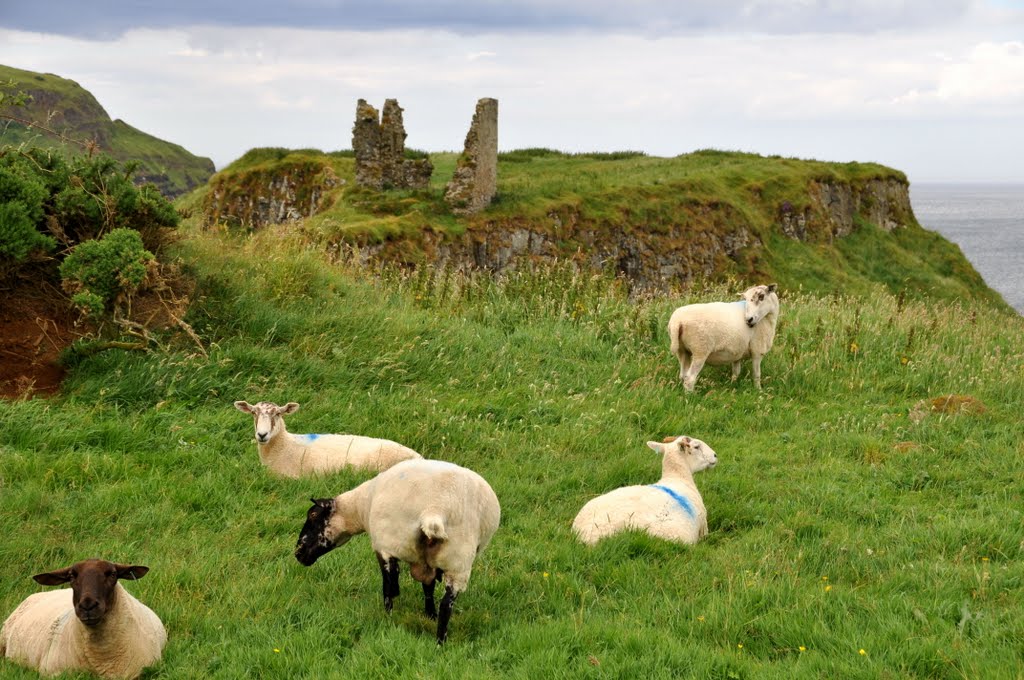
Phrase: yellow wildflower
[862,653]
[828,588]
[802,648]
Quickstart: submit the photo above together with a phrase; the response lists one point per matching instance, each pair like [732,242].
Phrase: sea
[987,222]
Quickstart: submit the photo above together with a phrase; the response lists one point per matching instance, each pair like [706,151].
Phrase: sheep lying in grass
[95,626]
[724,333]
[671,509]
[434,515]
[298,455]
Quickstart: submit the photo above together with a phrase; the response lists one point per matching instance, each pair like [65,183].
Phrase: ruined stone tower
[476,176]
[379,145]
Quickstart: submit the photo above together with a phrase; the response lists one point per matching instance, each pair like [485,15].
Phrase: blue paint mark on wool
[742,303]
[310,437]
[682,501]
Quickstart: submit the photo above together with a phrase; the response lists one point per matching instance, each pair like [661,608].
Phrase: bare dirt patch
[36,324]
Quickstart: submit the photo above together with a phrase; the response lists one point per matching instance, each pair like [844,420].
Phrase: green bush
[104,273]
[21,212]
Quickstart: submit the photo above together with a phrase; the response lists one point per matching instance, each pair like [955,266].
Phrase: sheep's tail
[677,338]
[432,526]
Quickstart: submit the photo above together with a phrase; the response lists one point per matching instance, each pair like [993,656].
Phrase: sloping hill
[66,108]
[825,227]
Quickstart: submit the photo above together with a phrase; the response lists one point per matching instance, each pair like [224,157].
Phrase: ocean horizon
[987,221]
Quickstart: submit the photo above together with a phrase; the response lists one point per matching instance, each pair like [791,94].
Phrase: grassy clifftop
[825,227]
[77,114]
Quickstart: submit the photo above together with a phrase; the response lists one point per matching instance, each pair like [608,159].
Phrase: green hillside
[77,114]
[720,214]
[858,529]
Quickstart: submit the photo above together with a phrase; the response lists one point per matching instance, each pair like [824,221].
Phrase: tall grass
[838,522]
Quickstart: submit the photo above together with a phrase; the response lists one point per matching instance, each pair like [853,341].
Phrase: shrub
[103,274]
[21,212]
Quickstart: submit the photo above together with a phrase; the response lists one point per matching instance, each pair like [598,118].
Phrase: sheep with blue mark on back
[671,509]
[302,455]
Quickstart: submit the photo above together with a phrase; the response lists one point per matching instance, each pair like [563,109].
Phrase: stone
[475,181]
[379,145]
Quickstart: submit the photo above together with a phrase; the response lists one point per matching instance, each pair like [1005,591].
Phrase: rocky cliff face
[833,207]
[289,191]
[711,239]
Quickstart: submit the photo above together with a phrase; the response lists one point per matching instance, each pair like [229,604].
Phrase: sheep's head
[696,454]
[93,586]
[323,531]
[267,417]
[760,302]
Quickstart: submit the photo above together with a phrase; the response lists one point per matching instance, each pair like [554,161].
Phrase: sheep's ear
[243,406]
[54,578]
[290,407]
[657,447]
[687,441]
[772,287]
[132,571]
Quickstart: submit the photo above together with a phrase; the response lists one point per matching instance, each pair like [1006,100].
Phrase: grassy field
[847,539]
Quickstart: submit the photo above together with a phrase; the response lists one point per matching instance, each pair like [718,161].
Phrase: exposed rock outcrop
[290,191]
[833,207]
[379,145]
[475,181]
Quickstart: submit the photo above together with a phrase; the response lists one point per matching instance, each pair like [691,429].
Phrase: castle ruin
[379,145]
[475,181]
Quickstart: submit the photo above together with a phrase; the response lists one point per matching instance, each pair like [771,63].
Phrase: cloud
[109,19]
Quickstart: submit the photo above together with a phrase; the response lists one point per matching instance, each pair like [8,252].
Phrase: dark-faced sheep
[436,516]
[95,625]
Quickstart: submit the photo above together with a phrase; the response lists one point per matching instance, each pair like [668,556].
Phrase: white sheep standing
[671,509]
[724,333]
[298,455]
[95,626]
[434,515]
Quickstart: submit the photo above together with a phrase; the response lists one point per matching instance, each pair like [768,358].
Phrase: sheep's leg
[684,363]
[735,370]
[428,595]
[696,364]
[389,578]
[446,612]
[755,361]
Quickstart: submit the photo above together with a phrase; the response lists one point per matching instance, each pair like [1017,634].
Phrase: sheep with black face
[435,516]
[95,626]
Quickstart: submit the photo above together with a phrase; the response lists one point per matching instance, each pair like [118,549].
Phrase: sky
[934,88]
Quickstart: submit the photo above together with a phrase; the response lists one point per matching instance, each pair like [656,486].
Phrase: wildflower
[739,646]
[276,650]
[545,574]
[802,648]
[862,652]
[904,360]
[828,588]
[824,578]
[854,347]
[984,559]
[700,618]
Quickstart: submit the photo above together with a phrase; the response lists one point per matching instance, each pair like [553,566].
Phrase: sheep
[297,455]
[434,515]
[96,625]
[671,509]
[724,332]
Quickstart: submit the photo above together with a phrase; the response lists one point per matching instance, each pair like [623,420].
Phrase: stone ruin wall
[379,145]
[475,181]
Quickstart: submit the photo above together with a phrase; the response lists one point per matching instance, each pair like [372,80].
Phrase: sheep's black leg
[389,580]
[428,594]
[445,614]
